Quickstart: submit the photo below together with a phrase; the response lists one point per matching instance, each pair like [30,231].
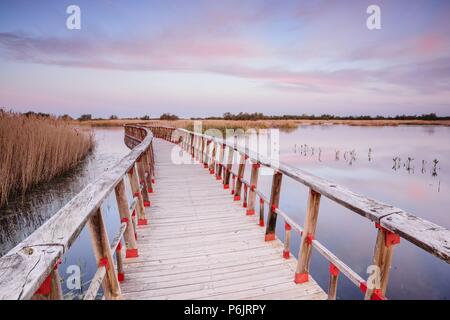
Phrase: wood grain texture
[205,248]
[430,237]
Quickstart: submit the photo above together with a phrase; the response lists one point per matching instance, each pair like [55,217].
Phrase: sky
[204,58]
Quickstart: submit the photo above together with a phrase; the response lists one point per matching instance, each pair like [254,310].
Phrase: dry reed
[36,149]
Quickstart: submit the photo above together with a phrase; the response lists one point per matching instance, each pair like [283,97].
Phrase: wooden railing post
[332,287]
[119,260]
[253,186]
[384,246]
[102,252]
[212,163]
[220,164]
[229,164]
[206,155]
[241,168]
[125,216]
[50,288]
[287,241]
[261,212]
[309,230]
[192,145]
[274,201]
[198,146]
[152,161]
[134,182]
[148,171]
[202,150]
[143,181]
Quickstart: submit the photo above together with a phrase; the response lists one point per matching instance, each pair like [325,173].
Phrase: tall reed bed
[36,149]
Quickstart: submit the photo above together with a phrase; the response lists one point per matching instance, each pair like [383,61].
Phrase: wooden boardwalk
[200,244]
[193,241]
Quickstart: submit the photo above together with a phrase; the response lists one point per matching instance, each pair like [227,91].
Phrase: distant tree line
[261,116]
[252,116]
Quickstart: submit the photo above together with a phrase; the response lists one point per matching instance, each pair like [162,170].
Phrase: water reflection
[406,166]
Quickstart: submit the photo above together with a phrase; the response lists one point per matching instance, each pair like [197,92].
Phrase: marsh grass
[36,149]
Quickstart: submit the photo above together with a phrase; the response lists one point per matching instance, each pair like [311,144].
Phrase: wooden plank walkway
[200,244]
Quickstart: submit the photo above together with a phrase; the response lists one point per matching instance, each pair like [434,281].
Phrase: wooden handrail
[32,264]
[392,222]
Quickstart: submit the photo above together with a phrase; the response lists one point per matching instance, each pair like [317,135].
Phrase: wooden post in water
[242,160]
[102,252]
[132,176]
[125,216]
[309,230]
[253,186]
[274,201]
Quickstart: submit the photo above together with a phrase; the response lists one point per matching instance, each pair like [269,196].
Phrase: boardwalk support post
[382,258]
[253,186]
[102,252]
[309,230]
[132,176]
[125,216]
[274,201]
[237,193]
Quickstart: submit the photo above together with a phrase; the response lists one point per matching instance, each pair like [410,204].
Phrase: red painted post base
[142,222]
[226,186]
[205,165]
[218,178]
[46,287]
[132,253]
[377,294]
[250,212]
[261,222]
[269,237]
[153,180]
[150,190]
[244,204]
[121,276]
[211,171]
[147,204]
[237,198]
[286,254]
[301,278]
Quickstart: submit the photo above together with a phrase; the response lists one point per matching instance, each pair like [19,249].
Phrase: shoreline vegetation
[260,121]
[36,148]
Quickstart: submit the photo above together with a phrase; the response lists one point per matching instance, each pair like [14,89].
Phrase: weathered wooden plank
[431,237]
[21,273]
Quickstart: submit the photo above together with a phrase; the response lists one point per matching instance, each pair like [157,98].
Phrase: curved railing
[392,223]
[29,271]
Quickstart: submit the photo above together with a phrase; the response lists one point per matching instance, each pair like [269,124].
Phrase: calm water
[361,158]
